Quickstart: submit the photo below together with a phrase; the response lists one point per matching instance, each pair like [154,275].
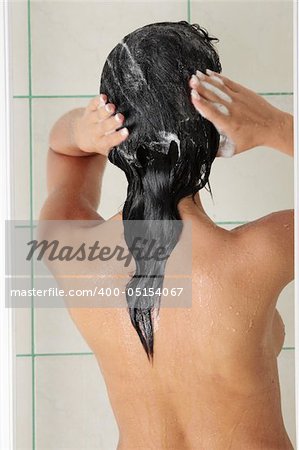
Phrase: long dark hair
[170,148]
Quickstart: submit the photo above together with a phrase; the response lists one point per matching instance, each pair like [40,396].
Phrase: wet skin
[214,382]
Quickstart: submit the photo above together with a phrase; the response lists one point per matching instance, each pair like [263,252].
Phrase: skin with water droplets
[222,350]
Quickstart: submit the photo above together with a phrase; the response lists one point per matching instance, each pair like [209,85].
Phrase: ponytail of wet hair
[170,148]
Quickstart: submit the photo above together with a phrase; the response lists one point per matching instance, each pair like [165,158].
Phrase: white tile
[20,156]
[250,185]
[23,403]
[21,305]
[72,40]
[22,320]
[73,409]
[19,47]
[255,45]
[283,102]
[55,332]
[286,365]
[286,306]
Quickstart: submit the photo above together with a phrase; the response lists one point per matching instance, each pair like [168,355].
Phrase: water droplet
[237,313]
[250,325]
[230,307]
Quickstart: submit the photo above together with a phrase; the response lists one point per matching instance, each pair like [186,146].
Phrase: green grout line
[91,96]
[30,355]
[217,223]
[55,96]
[230,223]
[34,355]
[25,226]
[30,97]
[189,11]
[274,93]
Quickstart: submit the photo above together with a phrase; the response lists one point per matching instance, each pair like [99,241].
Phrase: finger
[210,89]
[105,111]
[213,111]
[235,87]
[215,80]
[111,124]
[95,102]
[109,141]
[211,78]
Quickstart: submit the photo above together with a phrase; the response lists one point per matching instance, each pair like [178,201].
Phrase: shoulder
[77,240]
[270,241]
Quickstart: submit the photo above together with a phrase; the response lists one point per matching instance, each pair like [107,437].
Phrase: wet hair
[170,148]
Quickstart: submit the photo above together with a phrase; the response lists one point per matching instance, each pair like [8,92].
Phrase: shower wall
[59,48]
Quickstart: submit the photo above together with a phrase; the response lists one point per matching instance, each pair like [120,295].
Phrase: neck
[188,206]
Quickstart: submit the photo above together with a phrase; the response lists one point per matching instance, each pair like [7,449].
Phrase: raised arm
[245,117]
[79,143]
[248,121]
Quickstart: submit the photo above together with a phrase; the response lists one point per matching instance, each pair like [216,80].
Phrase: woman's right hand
[238,113]
[96,130]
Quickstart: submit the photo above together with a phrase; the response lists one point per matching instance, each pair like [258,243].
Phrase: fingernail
[118,117]
[200,75]
[209,72]
[124,131]
[102,101]
[195,94]
[195,80]
[109,108]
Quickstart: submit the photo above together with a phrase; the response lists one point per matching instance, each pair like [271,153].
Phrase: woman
[212,382]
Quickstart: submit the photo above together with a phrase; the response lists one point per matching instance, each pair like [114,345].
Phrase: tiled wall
[58,51]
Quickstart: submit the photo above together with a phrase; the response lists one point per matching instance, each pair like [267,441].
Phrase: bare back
[214,381]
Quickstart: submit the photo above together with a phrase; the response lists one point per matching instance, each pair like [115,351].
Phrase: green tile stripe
[26,355]
[231,223]
[25,226]
[265,94]
[274,93]
[55,96]
[238,222]
[29,355]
